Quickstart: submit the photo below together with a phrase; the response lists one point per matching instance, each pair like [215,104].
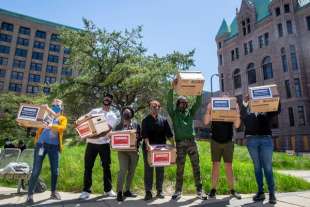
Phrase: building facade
[268,42]
[31,56]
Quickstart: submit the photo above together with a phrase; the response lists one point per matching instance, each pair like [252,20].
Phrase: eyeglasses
[155,106]
[182,102]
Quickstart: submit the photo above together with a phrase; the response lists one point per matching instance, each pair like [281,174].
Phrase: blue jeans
[261,149]
[53,154]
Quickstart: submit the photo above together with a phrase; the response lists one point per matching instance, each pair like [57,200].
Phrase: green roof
[35,20]
[233,28]
[223,29]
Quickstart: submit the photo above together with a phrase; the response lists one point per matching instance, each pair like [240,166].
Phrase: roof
[223,29]
[35,20]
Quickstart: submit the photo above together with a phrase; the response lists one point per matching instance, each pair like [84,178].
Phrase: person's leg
[216,154]
[181,158]
[105,156]
[134,158]
[123,160]
[192,151]
[53,155]
[89,160]
[148,173]
[160,173]
[266,158]
[228,151]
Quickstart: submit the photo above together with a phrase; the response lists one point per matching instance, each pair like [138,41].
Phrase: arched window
[284,60]
[267,68]
[237,79]
[251,73]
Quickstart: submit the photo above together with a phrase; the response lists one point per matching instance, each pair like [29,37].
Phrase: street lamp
[211,82]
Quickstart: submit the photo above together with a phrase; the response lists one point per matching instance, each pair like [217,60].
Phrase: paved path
[304,174]
[9,198]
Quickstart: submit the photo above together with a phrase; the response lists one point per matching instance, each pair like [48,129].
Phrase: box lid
[190,75]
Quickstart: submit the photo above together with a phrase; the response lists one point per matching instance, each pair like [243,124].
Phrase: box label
[28,113]
[120,141]
[84,129]
[161,158]
[261,93]
[221,104]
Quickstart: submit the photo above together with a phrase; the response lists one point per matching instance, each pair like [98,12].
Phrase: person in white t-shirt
[100,145]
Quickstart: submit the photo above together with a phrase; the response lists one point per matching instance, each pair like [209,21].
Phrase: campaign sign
[121,141]
[261,93]
[220,104]
[29,113]
[161,158]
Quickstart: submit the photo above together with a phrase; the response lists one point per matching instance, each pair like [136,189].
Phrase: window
[17,75]
[232,54]
[222,82]
[237,53]
[55,37]
[301,116]
[251,73]
[19,64]
[246,26]
[280,30]
[237,79]
[266,39]
[34,78]
[267,68]
[51,69]
[278,11]
[4,61]
[39,45]
[219,46]
[284,60]
[220,60]
[289,27]
[36,66]
[66,51]
[22,41]
[66,72]
[1,85]
[5,37]
[65,60]
[245,47]
[54,48]
[50,80]
[286,8]
[53,58]
[297,87]
[33,89]
[21,52]
[37,55]
[7,26]
[41,34]
[308,22]
[291,116]
[288,89]
[15,87]
[46,90]
[293,57]
[4,49]
[2,73]
[24,30]
[260,41]
[251,46]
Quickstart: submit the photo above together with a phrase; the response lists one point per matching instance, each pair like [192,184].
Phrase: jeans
[261,149]
[53,154]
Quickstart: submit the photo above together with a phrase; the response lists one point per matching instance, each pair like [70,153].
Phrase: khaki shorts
[219,150]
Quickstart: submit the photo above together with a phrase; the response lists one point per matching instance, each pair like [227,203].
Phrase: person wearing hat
[100,145]
[48,141]
[182,117]
[127,159]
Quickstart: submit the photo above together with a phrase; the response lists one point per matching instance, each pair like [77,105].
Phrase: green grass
[72,162]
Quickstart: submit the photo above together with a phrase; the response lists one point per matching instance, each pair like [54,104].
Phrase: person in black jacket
[260,146]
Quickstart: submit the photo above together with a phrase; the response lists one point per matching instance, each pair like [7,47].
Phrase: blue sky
[168,25]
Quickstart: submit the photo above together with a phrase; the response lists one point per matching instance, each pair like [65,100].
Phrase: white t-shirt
[112,120]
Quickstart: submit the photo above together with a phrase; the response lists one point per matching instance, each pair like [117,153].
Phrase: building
[269,42]
[31,56]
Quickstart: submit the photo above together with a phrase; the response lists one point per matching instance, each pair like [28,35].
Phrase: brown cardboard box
[36,116]
[264,98]
[125,140]
[89,126]
[161,155]
[224,109]
[189,83]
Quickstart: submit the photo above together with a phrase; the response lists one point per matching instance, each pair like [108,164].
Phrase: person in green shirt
[182,117]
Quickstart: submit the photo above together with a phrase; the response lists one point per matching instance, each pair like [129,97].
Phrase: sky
[168,25]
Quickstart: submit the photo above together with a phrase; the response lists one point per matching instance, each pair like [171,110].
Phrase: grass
[72,162]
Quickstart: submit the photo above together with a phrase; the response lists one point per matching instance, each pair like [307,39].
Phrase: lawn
[72,161]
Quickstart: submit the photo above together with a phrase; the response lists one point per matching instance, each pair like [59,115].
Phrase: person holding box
[222,146]
[182,118]
[48,141]
[155,130]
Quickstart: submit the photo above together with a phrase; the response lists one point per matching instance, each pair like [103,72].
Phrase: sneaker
[148,196]
[55,195]
[160,195]
[234,194]
[111,193]
[120,197]
[29,200]
[201,195]
[272,198]
[177,195]
[212,193]
[260,196]
[84,195]
[130,194]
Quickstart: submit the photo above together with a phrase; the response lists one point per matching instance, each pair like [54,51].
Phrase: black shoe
[212,193]
[29,201]
[234,194]
[201,195]
[260,196]
[120,197]
[160,195]
[176,196]
[129,194]
[148,196]
[272,198]
[55,195]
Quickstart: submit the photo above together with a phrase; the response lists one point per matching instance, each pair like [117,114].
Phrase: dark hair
[108,95]
[181,98]
[130,109]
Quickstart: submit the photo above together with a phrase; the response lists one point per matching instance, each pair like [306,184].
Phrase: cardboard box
[125,140]
[224,109]
[36,116]
[189,83]
[161,155]
[89,126]
[264,98]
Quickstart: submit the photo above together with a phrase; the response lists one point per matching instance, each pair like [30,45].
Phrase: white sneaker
[111,193]
[84,195]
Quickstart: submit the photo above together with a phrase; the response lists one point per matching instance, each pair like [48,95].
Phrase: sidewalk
[304,174]
[9,198]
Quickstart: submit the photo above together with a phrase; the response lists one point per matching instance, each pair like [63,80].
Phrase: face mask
[126,115]
[245,104]
[155,110]
[56,108]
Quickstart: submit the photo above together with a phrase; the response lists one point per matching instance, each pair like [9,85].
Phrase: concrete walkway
[9,198]
[304,174]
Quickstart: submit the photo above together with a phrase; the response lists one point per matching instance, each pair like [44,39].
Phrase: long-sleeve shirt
[182,121]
